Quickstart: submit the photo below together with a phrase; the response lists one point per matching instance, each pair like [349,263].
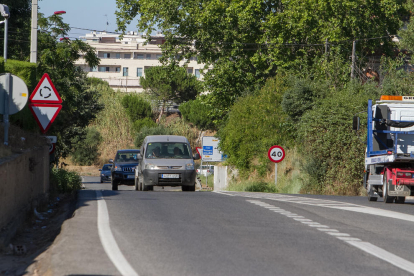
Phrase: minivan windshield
[127,156]
[164,150]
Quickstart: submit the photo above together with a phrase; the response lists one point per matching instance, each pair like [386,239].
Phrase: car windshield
[168,150]
[126,156]
[106,167]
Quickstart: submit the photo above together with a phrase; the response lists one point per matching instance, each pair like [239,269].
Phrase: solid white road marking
[326,204]
[384,255]
[108,241]
[364,246]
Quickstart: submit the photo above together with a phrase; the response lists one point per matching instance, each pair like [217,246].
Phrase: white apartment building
[124,61]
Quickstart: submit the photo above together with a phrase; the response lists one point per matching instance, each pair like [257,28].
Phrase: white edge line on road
[364,246]
[108,241]
[384,255]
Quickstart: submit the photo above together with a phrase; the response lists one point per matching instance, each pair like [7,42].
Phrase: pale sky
[86,14]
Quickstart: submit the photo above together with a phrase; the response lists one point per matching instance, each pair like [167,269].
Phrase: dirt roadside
[35,237]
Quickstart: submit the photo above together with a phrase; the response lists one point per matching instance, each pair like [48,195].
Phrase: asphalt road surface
[169,232]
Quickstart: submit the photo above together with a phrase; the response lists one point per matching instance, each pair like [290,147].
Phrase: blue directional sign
[207,150]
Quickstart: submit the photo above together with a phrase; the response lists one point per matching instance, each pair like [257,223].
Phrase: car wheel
[114,185]
[144,187]
[101,180]
[136,184]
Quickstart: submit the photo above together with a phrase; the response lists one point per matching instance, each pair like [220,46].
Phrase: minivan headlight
[150,166]
[189,166]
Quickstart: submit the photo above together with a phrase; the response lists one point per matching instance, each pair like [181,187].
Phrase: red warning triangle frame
[45,129]
[40,86]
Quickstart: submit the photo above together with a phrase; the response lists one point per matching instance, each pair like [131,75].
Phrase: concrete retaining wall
[220,178]
[24,183]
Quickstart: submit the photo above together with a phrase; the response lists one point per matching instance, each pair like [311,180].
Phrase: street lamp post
[4,10]
[33,35]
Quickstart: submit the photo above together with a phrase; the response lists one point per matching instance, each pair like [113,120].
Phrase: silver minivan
[165,160]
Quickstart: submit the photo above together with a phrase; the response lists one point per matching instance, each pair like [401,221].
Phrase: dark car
[105,172]
[123,168]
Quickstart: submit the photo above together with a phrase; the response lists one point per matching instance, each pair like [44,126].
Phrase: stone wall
[24,183]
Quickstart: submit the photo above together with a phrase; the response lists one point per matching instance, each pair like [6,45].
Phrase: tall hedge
[333,155]
[255,123]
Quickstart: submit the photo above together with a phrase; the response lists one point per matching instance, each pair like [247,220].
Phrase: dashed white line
[364,246]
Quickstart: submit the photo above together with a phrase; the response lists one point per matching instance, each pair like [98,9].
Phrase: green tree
[57,58]
[255,123]
[170,83]
[86,150]
[18,47]
[137,107]
[247,41]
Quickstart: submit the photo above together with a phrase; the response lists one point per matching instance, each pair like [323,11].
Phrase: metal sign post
[6,109]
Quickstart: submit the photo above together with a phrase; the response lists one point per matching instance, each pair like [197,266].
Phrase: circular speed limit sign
[276,154]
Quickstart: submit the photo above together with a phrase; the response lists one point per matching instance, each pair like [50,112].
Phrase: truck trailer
[389,156]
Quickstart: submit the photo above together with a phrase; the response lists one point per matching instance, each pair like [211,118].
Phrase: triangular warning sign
[45,114]
[45,92]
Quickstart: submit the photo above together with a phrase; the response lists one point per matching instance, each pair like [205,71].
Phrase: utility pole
[33,37]
[353,60]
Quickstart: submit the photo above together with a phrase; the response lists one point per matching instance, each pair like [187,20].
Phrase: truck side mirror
[111,160]
[355,123]
[139,156]
[196,156]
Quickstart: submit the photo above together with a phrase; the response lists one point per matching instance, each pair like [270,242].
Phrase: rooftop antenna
[107,23]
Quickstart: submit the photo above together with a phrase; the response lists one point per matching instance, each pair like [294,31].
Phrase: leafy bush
[146,131]
[64,182]
[255,123]
[145,122]
[197,113]
[301,96]
[136,107]
[333,154]
[87,149]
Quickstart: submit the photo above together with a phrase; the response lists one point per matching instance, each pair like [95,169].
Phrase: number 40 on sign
[276,154]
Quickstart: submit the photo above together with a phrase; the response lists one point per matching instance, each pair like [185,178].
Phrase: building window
[148,56]
[139,72]
[140,56]
[125,72]
[107,55]
[101,69]
[127,56]
[117,55]
[159,56]
[190,70]
[94,69]
[117,69]
[197,73]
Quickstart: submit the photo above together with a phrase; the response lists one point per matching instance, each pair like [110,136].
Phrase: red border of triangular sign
[51,121]
[45,75]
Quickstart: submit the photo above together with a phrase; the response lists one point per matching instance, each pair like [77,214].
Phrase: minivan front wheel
[188,188]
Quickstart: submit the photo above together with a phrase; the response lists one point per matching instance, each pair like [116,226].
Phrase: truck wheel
[387,198]
[370,191]
[400,199]
[114,185]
